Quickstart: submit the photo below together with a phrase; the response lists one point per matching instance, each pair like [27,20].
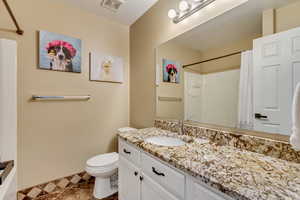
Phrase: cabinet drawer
[129,152]
[167,177]
[150,190]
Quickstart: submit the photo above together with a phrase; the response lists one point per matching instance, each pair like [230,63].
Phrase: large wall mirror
[232,71]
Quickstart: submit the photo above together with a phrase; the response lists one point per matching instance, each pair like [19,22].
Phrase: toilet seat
[102,167]
[101,170]
[103,161]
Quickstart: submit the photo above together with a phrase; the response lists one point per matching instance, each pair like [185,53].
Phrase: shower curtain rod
[217,58]
[19,30]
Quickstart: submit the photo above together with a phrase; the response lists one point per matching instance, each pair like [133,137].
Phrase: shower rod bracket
[19,31]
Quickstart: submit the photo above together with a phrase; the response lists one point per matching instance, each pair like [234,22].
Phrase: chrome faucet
[180,127]
[2,166]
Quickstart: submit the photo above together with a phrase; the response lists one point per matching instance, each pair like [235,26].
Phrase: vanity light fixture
[187,8]
[184,6]
[172,13]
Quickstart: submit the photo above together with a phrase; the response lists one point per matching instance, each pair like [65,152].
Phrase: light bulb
[172,13]
[210,6]
[184,6]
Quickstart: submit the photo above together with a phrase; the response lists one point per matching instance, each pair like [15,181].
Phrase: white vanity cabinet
[129,180]
[142,177]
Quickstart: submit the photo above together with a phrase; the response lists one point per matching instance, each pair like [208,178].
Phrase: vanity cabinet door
[129,180]
[151,190]
[196,191]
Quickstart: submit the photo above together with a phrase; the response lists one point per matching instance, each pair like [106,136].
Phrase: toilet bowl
[102,167]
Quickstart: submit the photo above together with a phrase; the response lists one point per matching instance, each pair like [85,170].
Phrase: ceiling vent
[112,5]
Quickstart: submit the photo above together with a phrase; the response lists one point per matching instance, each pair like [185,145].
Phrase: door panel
[270,78]
[271,49]
[295,56]
[129,183]
[296,44]
[296,74]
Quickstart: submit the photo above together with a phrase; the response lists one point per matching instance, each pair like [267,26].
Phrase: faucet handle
[2,166]
[180,127]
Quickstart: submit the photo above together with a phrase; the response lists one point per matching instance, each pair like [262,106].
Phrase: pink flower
[62,43]
[171,66]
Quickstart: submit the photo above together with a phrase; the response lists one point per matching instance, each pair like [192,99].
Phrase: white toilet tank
[126,129]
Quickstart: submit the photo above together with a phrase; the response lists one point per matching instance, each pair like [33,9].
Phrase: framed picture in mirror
[171,71]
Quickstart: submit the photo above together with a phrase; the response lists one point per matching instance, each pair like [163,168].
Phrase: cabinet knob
[141,178]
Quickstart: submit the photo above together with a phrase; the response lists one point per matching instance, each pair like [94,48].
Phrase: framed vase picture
[106,68]
[171,71]
[59,52]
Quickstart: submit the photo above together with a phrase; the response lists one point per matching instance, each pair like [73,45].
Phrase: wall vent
[112,5]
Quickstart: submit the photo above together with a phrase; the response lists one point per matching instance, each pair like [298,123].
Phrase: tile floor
[78,192]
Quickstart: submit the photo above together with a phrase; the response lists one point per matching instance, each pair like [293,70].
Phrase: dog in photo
[172,73]
[61,54]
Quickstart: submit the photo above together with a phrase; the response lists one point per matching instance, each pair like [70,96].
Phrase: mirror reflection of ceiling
[238,24]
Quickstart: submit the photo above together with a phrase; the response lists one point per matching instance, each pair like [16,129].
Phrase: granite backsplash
[265,146]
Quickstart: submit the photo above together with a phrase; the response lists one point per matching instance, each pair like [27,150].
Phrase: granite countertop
[238,173]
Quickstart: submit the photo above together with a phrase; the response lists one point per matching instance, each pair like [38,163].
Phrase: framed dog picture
[171,70]
[106,68]
[59,52]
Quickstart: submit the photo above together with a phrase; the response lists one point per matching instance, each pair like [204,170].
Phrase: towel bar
[59,98]
[174,99]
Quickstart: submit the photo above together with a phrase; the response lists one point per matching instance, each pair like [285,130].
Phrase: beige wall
[287,17]
[281,19]
[182,55]
[268,22]
[228,63]
[151,30]
[56,138]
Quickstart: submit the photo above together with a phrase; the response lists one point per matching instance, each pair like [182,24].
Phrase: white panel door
[151,190]
[8,114]
[192,94]
[129,182]
[8,100]
[276,71]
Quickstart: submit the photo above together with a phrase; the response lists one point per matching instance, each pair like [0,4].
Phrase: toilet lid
[103,160]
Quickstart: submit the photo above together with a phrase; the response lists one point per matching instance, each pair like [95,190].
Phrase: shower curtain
[245,110]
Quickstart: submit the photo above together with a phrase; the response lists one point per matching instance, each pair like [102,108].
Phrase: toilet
[102,167]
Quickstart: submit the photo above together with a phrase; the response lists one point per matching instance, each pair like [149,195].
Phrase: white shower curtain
[245,110]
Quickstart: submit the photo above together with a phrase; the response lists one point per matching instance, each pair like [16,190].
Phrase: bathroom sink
[165,141]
